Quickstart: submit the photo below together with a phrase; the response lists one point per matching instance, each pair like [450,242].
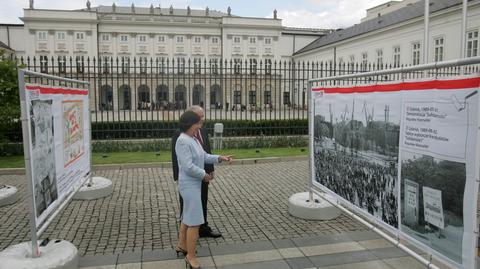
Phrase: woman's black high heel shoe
[180,250]
[188,265]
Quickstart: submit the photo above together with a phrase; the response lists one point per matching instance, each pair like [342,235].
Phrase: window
[62,64]
[105,37]
[181,65]
[162,94]
[267,96]
[236,40]
[214,40]
[214,66]
[286,98]
[61,35]
[197,65]
[364,61]
[268,41]
[143,62]
[161,39]
[252,97]
[472,43]
[197,40]
[396,56]
[416,53]
[42,35]
[180,39]
[438,48]
[44,63]
[352,58]
[252,40]
[237,65]
[237,97]
[161,65]
[142,38]
[80,36]
[124,38]
[105,65]
[79,62]
[125,62]
[379,58]
[268,66]
[253,66]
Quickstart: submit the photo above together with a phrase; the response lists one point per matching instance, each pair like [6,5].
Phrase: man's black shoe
[208,232]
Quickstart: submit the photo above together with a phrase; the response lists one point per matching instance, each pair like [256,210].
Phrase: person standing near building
[191,159]
[202,137]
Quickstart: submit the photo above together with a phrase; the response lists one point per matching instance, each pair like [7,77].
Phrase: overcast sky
[294,13]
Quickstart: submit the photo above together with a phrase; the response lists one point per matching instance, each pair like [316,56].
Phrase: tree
[9,98]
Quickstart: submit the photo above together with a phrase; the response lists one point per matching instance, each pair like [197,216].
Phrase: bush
[9,100]
[152,145]
[259,134]
[229,143]
[130,146]
[165,129]
[9,149]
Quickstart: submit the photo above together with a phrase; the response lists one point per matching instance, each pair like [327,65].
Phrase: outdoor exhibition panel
[58,144]
[404,155]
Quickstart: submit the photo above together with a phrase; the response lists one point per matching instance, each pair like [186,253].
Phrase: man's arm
[174,155]
[206,146]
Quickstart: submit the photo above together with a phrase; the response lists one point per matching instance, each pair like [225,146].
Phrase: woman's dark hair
[188,119]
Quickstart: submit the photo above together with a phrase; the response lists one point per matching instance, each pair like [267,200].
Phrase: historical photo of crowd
[43,154]
[432,193]
[356,151]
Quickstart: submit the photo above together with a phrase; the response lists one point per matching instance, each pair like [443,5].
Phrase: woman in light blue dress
[191,159]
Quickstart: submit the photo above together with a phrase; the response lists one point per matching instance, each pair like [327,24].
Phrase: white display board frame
[395,233]
[44,151]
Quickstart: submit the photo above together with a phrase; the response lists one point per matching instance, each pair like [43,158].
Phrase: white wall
[53,21]
[14,37]
[446,23]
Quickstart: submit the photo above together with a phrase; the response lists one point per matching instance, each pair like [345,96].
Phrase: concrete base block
[57,254]
[8,195]
[98,188]
[299,206]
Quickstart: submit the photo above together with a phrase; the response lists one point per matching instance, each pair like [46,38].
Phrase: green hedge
[165,129]
[152,145]
[162,129]
[10,141]
[9,149]
[102,146]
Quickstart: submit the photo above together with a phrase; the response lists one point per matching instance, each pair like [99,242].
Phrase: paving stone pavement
[247,203]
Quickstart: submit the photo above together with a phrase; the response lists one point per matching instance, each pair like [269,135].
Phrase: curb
[99,167]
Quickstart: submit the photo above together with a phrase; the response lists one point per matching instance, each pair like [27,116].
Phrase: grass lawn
[165,156]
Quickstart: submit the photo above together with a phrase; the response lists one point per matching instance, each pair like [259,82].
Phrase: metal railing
[139,97]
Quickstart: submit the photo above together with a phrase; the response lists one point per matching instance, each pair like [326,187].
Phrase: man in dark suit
[202,137]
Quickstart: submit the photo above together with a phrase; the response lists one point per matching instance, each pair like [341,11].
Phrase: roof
[287,28]
[384,4]
[4,46]
[157,11]
[409,12]
[12,24]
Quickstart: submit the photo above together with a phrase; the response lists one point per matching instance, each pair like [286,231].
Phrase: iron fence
[140,97]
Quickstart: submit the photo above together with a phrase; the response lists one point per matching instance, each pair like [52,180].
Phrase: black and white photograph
[435,189]
[43,155]
[356,150]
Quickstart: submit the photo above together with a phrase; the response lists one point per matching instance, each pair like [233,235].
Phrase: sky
[330,14]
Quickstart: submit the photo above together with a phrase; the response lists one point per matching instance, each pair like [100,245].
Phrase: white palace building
[391,33]
[136,36]
[153,32]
